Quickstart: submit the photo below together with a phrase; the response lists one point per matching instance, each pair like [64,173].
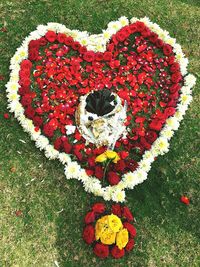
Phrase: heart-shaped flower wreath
[80,96]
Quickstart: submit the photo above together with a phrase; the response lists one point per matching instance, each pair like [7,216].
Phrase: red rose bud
[131,229]
[98,207]
[113,178]
[130,245]
[6,116]
[89,234]
[127,214]
[89,217]
[117,253]
[101,250]
[185,200]
[116,209]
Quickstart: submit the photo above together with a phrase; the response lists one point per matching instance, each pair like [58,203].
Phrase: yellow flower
[122,238]
[112,155]
[100,226]
[108,237]
[115,223]
[101,158]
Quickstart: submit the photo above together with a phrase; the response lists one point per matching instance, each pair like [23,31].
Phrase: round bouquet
[109,232]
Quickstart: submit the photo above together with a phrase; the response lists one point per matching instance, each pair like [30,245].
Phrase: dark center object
[99,102]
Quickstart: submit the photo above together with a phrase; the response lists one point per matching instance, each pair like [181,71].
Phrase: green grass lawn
[47,228]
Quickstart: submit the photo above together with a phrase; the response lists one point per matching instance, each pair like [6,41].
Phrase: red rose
[76,45]
[69,40]
[91,161]
[38,121]
[156,125]
[117,253]
[167,49]
[176,77]
[127,214]
[107,56]
[159,43]
[67,147]
[121,36]
[34,44]
[26,100]
[144,143]
[82,49]
[174,88]
[58,143]
[113,178]
[33,54]
[124,154]
[153,37]
[175,67]
[26,64]
[120,165]
[169,112]
[98,207]
[131,229]
[48,130]
[89,56]
[151,136]
[29,112]
[42,41]
[130,245]
[98,172]
[116,209]
[89,217]
[101,250]
[146,32]
[89,234]
[99,56]
[51,36]
[140,26]
[61,37]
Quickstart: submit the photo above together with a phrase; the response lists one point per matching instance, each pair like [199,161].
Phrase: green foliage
[46,230]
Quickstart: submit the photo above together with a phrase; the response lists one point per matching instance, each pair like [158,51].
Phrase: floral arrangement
[109,233]
[137,60]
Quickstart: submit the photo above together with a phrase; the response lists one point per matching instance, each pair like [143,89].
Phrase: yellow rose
[122,238]
[100,226]
[115,223]
[108,237]
[112,155]
[101,158]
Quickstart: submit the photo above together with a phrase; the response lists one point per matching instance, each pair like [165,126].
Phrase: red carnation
[167,49]
[33,54]
[153,37]
[113,178]
[48,130]
[117,253]
[127,214]
[159,43]
[89,217]
[58,143]
[38,121]
[67,146]
[130,245]
[131,229]
[29,112]
[89,234]
[76,45]
[120,165]
[98,207]
[174,88]
[89,56]
[140,26]
[98,172]
[26,64]
[175,67]
[51,36]
[69,40]
[101,250]
[116,209]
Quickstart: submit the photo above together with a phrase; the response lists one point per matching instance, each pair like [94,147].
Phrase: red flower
[117,253]
[169,112]
[174,88]
[120,165]
[61,37]
[113,178]
[29,112]
[176,77]
[89,217]
[185,200]
[130,245]
[38,121]
[48,130]
[89,56]
[151,136]
[159,43]
[98,172]
[89,234]
[116,209]
[107,56]
[67,147]
[175,67]
[101,250]
[51,36]
[140,26]
[127,214]
[33,55]
[98,207]
[156,125]
[131,229]
[69,40]
[26,64]
[167,49]
[6,116]
[58,143]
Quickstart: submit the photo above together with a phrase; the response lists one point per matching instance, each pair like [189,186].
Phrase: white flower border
[97,42]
